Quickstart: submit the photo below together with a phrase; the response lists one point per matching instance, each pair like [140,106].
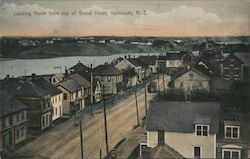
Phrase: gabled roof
[244,57]
[79,67]
[233,56]
[105,70]
[135,62]
[70,85]
[184,71]
[164,152]
[9,104]
[80,80]
[44,84]
[164,115]
[149,60]
[31,89]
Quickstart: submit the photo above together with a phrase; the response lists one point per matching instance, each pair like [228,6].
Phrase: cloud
[181,20]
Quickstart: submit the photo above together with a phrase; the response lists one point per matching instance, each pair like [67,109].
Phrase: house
[191,136]
[79,67]
[97,87]
[56,97]
[56,78]
[233,140]
[174,60]
[151,62]
[232,68]
[110,77]
[73,96]
[85,86]
[39,105]
[14,121]
[138,66]
[245,58]
[191,79]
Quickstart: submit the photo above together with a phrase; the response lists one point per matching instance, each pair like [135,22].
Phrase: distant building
[151,62]
[79,67]
[191,79]
[14,121]
[232,68]
[73,96]
[85,86]
[192,135]
[56,98]
[110,77]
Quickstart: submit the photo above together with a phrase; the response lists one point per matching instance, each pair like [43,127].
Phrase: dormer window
[201,130]
[232,132]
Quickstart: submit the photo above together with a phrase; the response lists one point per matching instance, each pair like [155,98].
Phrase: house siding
[185,142]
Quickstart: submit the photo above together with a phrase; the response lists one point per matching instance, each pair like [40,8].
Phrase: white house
[151,62]
[56,97]
[73,96]
[186,128]
[191,79]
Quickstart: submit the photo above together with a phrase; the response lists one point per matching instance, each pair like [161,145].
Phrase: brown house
[231,68]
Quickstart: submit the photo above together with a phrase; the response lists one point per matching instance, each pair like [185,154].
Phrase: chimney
[125,57]
[79,61]
[129,56]
[91,66]
[33,76]
[7,76]
[66,71]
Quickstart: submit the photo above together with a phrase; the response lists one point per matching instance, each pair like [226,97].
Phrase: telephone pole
[91,94]
[136,105]
[80,123]
[146,107]
[163,83]
[105,122]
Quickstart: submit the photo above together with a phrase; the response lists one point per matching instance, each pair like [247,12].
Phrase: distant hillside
[39,47]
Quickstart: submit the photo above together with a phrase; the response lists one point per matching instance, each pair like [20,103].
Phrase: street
[63,141]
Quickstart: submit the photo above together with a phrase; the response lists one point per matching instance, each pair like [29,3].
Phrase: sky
[155,18]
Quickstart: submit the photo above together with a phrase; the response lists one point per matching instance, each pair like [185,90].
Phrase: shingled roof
[80,80]
[105,70]
[9,104]
[80,67]
[45,85]
[70,85]
[165,114]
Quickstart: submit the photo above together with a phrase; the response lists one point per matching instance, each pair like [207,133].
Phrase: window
[54,80]
[109,78]
[232,132]
[17,117]
[22,115]
[59,98]
[231,154]
[22,131]
[43,121]
[236,72]
[64,96]
[201,84]
[191,75]
[4,123]
[197,152]
[17,133]
[202,130]
[56,111]
[181,84]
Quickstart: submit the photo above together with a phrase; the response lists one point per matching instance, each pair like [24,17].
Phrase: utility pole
[163,83]
[91,94]
[136,105]
[146,107]
[158,81]
[99,134]
[80,123]
[105,122]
